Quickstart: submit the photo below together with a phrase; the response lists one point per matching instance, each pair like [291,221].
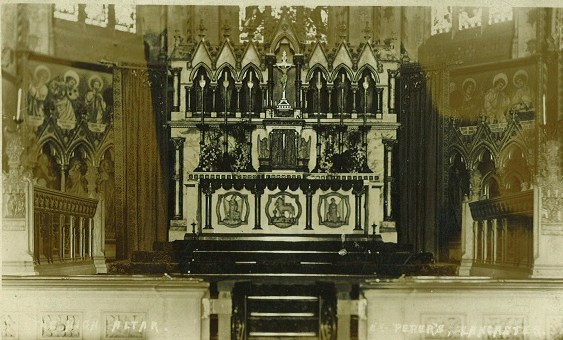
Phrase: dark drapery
[141,154]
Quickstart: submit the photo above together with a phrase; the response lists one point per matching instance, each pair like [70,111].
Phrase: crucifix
[284,66]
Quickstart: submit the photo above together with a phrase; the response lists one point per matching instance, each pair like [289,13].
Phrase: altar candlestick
[19,107]
[544,114]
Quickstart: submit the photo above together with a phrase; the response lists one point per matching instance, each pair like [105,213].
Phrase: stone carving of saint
[332,213]
[95,103]
[38,91]
[106,185]
[76,184]
[44,172]
[232,210]
[264,149]
[496,100]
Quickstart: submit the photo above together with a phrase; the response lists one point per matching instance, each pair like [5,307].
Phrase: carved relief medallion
[334,210]
[283,209]
[232,209]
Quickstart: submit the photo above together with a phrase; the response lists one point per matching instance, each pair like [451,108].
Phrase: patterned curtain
[141,176]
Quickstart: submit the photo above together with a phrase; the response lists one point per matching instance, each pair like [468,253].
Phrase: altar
[283,140]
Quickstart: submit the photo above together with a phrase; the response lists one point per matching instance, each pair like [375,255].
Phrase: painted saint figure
[469,107]
[522,99]
[38,91]
[95,103]
[64,92]
[496,100]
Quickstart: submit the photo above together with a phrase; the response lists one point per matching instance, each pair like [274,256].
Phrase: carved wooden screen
[283,146]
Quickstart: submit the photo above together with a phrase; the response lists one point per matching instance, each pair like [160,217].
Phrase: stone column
[391,90]
[309,192]
[187,101]
[176,72]
[298,61]
[318,131]
[208,190]
[388,179]
[379,91]
[178,143]
[270,61]
[343,310]
[358,192]
[97,223]
[258,191]
[485,242]
[17,211]
[223,307]
[494,226]
[468,237]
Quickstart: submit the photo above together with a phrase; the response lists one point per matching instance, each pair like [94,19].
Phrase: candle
[319,77]
[544,116]
[18,112]
[250,76]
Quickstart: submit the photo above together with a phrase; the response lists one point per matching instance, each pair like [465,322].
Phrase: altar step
[163,259]
[281,311]
[360,257]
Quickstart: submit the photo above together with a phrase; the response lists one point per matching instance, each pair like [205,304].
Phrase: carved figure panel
[8,327]
[334,210]
[232,209]
[283,209]
[59,325]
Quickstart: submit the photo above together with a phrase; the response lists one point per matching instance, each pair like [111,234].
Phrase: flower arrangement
[209,157]
[240,158]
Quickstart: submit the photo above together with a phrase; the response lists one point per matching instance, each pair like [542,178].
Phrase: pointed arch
[372,71]
[57,146]
[85,145]
[455,149]
[477,152]
[222,68]
[293,42]
[507,151]
[346,68]
[312,69]
[253,67]
[491,186]
[196,68]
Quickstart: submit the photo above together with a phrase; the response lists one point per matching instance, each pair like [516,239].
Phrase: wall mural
[334,210]
[283,209]
[68,95]
[232,209]
[493,94]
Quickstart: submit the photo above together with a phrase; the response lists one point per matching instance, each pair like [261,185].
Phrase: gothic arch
[293,43]
[372,71]
[57,146]
[102,152]
[477,152]
[491,186]
[256,71]
[86,146]
[337,69]
[508,150]
[220,70]
[312,69]
[195,71]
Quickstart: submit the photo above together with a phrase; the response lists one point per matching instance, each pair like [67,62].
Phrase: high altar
[281,137]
